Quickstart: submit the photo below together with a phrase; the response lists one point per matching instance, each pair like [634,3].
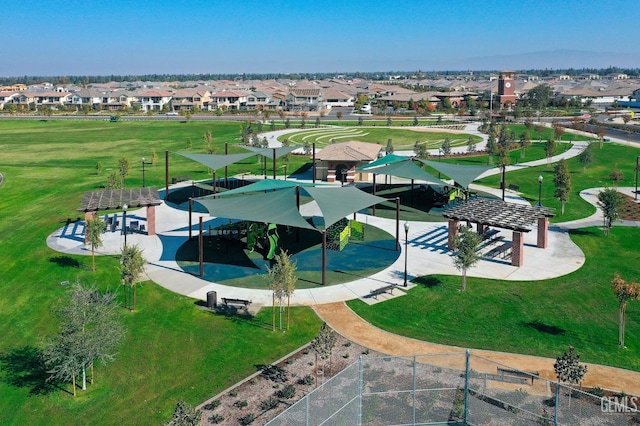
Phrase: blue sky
[91,37]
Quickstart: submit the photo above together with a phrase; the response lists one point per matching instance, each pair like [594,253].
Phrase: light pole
[637,170]
[124,222]
[540,179]
[143,164]
[406,243]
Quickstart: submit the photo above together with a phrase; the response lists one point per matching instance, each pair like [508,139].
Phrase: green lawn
[174,349]
[403,139]
[538,318]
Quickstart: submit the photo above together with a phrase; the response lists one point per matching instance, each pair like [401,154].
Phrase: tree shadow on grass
[545,328]
[65,261]
[428,281]
[236,314]
[24,368]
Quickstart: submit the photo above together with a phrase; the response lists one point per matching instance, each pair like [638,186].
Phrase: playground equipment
[272,238]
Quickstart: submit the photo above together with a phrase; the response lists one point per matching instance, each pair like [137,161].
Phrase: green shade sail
[409,170]
[336,203]
[387,159]
[462,175]
[216,162]
[268,152]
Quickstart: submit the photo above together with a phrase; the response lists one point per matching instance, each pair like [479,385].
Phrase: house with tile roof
[190,99]
[304,100]
[6,97]
[154,100]
[228,100]
[338,161]
[336,98]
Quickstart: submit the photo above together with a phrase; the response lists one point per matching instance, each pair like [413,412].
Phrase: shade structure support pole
[373,209]
[324,257]
[190,212]
[201,248]
[274,163]
[397,223]
[313,156]
[298,208]
[226,168]
[166,175]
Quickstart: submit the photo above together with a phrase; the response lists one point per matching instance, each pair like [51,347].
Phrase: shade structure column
[453,233]
[324,257]
[87,217]
[201,247]
[543,232]
[151,220]
[397,223]
[517,249]
[481,228]
[166,175]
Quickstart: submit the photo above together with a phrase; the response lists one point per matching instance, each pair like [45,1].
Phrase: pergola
[115,199]
[518,218]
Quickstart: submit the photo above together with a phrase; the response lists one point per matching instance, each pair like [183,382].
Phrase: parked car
[172,113]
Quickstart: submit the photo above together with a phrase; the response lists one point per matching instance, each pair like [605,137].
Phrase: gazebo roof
[498,213]
[114,199]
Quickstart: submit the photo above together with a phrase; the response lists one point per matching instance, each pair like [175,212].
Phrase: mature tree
[123,169]
[626,118]
[492,148]
[624,292]
[93,229]
[586,157]
[323,345]
[131,267]
[471,144]
[466,251]
[540,130]
[569,370]
[540,96]
[421,150]
[562,182]
[282,281]
[90,330]
[609,201]
[389,148]
[558,131]
[307,147]
[185,415]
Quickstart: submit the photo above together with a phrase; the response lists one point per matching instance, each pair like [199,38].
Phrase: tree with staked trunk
[586,157]
[131,267]
[93,229]
[185,415]
[123,169]
[624,293]
[90,330]
[466,251]
[282,282]
[609,201]
[562,182]
[323,345]
[569,370]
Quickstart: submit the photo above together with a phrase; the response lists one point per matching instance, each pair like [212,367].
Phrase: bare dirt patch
[629,208]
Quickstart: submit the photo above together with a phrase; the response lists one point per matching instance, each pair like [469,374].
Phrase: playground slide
[272,236]
[252,237]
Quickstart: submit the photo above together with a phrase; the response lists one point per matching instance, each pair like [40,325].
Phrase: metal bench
[502,372]
[228,301]
[381,290]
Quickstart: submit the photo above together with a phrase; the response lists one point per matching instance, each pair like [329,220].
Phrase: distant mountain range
[555,59]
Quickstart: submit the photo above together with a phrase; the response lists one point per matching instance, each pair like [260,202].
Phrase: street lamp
[637,170]
[124,222]
[540,179]
[406,241]
[143,164]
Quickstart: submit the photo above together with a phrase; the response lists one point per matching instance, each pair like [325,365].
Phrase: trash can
[212,299]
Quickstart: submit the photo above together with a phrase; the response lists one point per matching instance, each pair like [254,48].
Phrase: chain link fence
[453,388]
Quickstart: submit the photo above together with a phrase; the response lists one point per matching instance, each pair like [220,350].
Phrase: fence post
[414,390]
[306,405]
[556,405]
[360,386]
[466,386]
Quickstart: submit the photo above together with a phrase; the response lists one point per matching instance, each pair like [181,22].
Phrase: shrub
[597,391]
[288,392]
[306,380]
[212,405]
[247,420]
[215,419]
[274,373]
[240,404]
[269,404]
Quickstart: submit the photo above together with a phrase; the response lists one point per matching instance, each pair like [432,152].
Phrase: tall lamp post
[406,243]
[637,170]
[143,164]
[540,179]
[124,222]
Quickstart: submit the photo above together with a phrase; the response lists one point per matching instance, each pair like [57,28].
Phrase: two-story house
[228,100]
[304,100]
[190,99]
[154,100]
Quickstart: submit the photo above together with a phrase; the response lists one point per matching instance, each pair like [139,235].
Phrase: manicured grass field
[174,350]
[538,318]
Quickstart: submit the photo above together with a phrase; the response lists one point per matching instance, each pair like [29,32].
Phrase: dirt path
[346,322]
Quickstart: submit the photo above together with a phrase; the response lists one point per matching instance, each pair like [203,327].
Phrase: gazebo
[518,218]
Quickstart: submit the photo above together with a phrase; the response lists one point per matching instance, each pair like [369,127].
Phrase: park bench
[502,250]
[381,290]
[489,234]
[228,301]
[502,372]
[175,180]
[514,187]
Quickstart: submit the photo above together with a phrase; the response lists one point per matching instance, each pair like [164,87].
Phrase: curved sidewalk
[347,323]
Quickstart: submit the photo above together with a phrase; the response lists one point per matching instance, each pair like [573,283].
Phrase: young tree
[525,142]
[586,157]
[93,229]
[389,148]
[609,201]
[471,145]
[317,124]
[339,115]
[98,167]
[282,280]
[616,175]
[360,121]
[415,121]
[323,345]
[569,370]
[113,181]
[550,148]
[389,122]
[131,267]
[624,292]
[185,415]
[446,147]
[492,148]
[562,182]
[123,169]
[90,330]
[466,254]
[420,149]
[558,131]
